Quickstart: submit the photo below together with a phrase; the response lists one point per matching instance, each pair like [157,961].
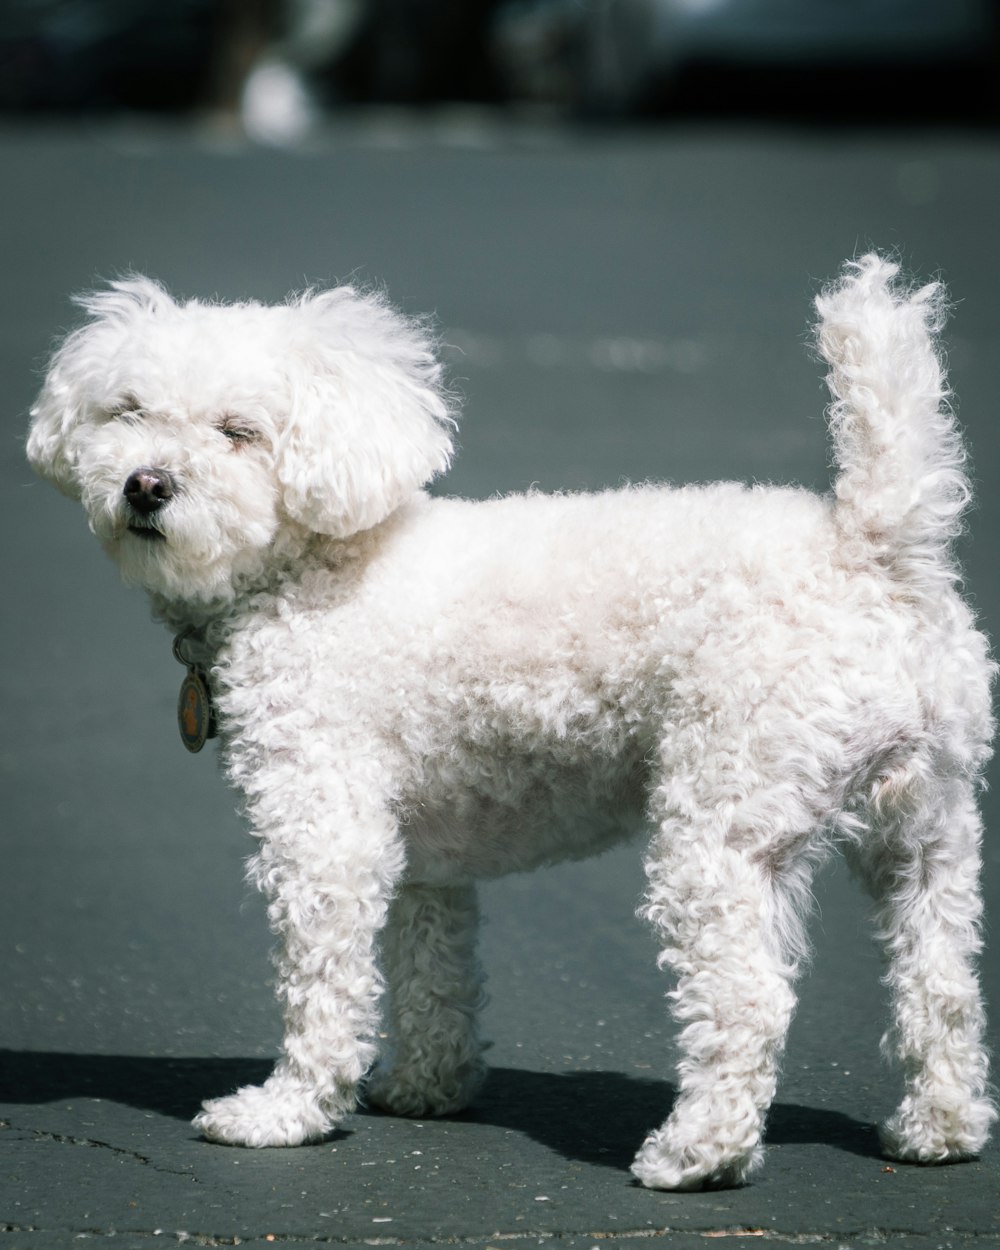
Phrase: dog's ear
[78,371]
[54,414]
[370,421]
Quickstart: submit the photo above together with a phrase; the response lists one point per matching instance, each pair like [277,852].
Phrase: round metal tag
[194,712]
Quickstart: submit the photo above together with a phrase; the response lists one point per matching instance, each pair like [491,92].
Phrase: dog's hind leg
[721,917]
[435,986]
[921,864]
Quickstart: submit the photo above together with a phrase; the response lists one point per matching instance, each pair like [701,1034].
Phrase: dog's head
[195,434]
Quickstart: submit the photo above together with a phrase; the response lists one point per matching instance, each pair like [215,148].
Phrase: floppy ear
[369,421]
[78,369]
[55,413]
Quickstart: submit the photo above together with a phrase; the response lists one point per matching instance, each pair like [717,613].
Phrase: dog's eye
[237,431]
[128,407]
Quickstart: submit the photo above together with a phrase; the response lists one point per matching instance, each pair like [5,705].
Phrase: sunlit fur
[416,693]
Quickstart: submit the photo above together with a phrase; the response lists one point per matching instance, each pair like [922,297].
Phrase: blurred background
[618,212]
[273,68]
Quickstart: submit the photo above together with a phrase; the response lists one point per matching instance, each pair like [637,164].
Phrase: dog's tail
[901,486]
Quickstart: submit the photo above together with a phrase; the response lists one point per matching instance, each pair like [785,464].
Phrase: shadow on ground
[588,1117]
[600,1117]
[168,1086]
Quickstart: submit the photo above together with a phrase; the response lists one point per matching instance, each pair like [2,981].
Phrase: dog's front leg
[329,887]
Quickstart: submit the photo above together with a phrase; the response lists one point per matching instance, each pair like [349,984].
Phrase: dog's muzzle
[146,492]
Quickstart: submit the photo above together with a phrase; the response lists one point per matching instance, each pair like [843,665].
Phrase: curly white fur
[415,693]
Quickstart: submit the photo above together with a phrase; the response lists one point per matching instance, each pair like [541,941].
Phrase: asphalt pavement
[618,305]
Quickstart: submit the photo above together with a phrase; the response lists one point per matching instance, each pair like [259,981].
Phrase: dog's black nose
[149,489]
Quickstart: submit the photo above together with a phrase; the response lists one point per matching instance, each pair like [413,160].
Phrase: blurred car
[68,55]
[616,56]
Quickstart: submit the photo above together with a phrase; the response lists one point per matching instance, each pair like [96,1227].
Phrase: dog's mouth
[145,532]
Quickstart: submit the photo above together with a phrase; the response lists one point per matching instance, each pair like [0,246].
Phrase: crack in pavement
[65,1139]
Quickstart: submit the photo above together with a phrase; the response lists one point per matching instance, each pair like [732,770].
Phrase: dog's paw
[923,1133]
[666,1164]
[416,1093]
[263,1115]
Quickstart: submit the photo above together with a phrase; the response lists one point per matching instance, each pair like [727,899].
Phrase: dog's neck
[208,617]
[206,620]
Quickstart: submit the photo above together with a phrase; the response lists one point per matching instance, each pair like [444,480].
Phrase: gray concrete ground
[619,306]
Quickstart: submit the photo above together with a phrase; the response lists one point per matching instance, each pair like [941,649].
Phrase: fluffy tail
[901,485]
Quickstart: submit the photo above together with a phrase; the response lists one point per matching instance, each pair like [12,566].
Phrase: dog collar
[195,709]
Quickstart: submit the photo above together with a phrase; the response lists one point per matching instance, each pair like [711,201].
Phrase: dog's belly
[525,812]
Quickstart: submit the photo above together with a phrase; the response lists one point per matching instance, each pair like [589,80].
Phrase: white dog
[415,693]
